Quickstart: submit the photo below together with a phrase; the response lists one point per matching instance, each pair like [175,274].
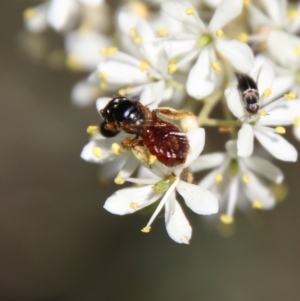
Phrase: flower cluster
[158,72]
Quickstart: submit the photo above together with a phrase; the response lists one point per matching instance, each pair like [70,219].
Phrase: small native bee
[249,91]
[162,139]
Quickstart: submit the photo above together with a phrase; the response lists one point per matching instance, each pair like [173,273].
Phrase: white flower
[236,181]
[61,15]
[206,42]
[83,49]
[162,186]
[274,111]
[151,75]
[277,27]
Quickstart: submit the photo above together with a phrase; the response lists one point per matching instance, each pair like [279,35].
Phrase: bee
[249,91]
[162,139]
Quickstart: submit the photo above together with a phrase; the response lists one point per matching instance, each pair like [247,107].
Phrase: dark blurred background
[57,243]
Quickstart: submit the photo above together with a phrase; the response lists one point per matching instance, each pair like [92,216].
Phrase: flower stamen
[257,204]
[116,149]
[92,129]
[226,219]
[267,92]
[190,11]
[290,95]
[280,130]
[97,152]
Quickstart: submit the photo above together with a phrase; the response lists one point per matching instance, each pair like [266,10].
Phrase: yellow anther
[112,49]
[92,129]
[104,51]
[146,229]
[290,95]
[132,32]
[246,2]
[263,113]
[29,13]
[246,179]
[267,92]
[116,149]
[119,180]
[152,159]
[73,62]
[243,37]
[220,33]
[103,75]
[296,121]
[122,92]
[84,27]
[161,32]
[172,68]
[103,85]
[218,178]
[190,10]
[257,205]
[296,49]
[216,66]
[97,152]
[226,219]
[133,205]
[144,65]
[293,14]
[280,130]
[138,40]
[140,9]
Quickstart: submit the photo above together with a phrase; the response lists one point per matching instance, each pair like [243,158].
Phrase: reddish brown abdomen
[165,141]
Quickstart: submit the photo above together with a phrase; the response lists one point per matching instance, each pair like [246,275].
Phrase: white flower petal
[239,54]
[281,46]
[256,191]
[130,165]
[62,14]
[258,19]
[36,22]
[198,199]
[277,146]
[264,168]
[245,140]
[207,162]
[264,76]
[84,46]
[296,131]
[129,200]
[234,102]
[121,74]
[177,9]
[196,139]
[84,94]
[226,11]
[276,9]
[95,151]
[102,102]
[202,78]
[177,224]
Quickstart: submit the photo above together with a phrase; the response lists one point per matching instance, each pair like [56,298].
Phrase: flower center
[233,168]
[164,184]
[204,40]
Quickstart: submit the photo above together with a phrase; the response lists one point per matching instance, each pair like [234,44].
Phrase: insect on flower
[248,88]
[162,139]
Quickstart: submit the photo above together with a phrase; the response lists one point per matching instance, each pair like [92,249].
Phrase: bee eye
[107,133]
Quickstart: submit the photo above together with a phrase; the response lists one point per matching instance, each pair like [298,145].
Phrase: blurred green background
[57,243]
